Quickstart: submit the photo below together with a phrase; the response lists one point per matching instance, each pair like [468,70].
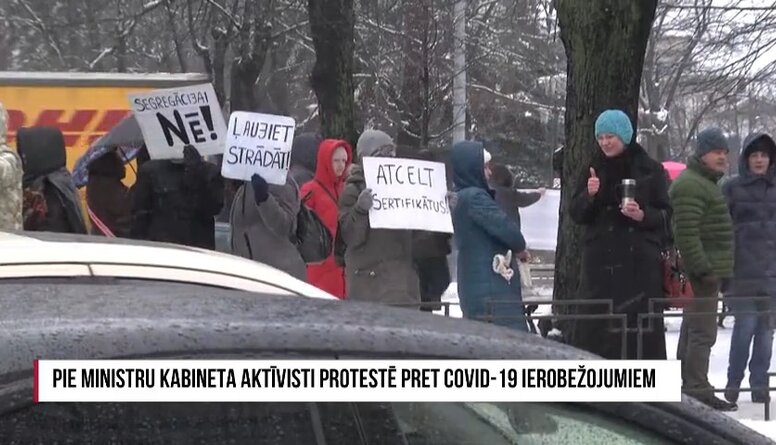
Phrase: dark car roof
[91,321]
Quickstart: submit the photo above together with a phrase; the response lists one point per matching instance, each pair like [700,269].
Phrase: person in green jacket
[703,234]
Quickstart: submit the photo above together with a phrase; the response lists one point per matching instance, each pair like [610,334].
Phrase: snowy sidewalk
[750,414]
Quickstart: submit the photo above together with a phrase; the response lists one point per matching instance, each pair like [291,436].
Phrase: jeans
[749,327]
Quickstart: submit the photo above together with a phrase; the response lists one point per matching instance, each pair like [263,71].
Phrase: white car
[25,255]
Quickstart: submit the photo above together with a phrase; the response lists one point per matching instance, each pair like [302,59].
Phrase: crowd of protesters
[725,232]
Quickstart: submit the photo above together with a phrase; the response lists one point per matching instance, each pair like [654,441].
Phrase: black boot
[731,394]
[760,397]
[719,404]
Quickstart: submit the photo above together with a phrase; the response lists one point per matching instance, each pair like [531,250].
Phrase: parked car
[83,257]
[53,319]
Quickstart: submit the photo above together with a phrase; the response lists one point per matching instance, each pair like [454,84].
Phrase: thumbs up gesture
[593,183]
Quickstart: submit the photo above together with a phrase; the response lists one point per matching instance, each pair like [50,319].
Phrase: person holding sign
[488,243]
[322,195]
[176,200]
[264,219]
[378,262]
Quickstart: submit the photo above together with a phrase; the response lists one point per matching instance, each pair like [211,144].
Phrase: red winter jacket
[322,197]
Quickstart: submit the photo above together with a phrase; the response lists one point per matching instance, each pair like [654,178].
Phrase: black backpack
[312,239]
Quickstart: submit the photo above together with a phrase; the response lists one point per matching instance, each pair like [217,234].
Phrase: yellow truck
[84,106]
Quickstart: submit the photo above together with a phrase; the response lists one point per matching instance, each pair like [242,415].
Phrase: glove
[191,155]
[364,202]
[260,188]
[452,200]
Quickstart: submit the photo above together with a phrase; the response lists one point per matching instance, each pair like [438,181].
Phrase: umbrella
[125,133]
[125,137]
[673,168]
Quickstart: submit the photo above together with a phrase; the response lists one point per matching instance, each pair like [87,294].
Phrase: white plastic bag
[525,274]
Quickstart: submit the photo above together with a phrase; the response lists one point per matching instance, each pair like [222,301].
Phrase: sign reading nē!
[172,118]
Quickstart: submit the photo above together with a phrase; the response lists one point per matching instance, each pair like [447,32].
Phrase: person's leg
[761,358]
[743,330]
[421,267]
[438,279]
[701,335]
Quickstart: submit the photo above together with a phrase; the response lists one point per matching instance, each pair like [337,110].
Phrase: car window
[550,423]
[318,423]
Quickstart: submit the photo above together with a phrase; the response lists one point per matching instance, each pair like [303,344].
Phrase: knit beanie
[614,122]
[711,139]
[371,141]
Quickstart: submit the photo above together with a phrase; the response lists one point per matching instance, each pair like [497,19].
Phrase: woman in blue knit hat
[621,259]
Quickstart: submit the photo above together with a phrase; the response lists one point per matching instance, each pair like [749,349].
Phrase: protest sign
[172,118]
[258,143]
[408,194]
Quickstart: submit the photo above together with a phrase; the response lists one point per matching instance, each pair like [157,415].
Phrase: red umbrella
[673,168]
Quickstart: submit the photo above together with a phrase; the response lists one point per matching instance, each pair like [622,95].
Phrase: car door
[384,423]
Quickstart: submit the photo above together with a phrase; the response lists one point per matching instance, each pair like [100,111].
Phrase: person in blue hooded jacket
[488,241]
[751,199]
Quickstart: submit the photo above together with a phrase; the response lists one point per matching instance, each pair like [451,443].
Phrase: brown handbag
[676,284]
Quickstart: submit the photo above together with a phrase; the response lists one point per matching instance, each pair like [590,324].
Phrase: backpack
[312,239]
[339,242]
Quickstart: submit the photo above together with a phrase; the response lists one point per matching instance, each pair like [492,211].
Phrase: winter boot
[760,397]
[731,394]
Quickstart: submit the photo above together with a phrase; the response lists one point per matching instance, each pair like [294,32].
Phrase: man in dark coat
[429,254]
[621,257]
[703,234]
[51,201]
[175,201]
[509,199]
[751,198]
[107,197]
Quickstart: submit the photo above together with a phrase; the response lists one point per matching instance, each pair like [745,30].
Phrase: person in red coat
[321,195]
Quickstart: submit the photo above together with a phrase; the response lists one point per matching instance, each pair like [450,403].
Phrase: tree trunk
[605,42]
[332,26]
[413,100]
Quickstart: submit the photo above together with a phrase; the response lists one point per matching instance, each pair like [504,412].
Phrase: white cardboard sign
[408,194]
[258,143]
[172,118]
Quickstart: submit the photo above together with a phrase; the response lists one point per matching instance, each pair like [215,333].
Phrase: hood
[304,150]
[42,150]
[108,165]
[3,125]
[750,143]
[468,165]
[323,170]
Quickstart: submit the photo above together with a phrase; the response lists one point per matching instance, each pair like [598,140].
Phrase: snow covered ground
[748,413]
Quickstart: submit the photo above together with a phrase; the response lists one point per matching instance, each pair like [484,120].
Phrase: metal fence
[605,311]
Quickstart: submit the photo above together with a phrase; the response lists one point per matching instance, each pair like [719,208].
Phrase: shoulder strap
[336,202]
[101,226]
[669,238]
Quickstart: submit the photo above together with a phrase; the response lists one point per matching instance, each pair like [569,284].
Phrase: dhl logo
[79,127]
